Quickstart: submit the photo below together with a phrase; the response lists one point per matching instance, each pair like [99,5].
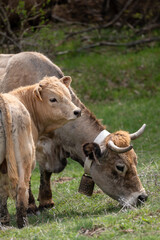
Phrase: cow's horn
[115,148]
[138,133]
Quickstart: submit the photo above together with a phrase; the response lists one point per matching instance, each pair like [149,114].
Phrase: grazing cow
[118,168]
[114,159]
[25,114]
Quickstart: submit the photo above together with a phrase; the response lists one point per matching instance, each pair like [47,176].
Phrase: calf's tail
[10,150]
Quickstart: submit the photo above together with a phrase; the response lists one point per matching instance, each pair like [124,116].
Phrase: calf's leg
[4,215]
[4,187]
[21,205]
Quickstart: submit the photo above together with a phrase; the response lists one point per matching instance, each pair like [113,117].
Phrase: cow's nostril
[142,198]
[77,113]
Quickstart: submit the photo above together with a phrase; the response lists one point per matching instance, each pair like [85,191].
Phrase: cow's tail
[10,150]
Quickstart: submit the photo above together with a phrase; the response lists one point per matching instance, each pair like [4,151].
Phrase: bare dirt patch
[96,230]
[63,179]
[128,230]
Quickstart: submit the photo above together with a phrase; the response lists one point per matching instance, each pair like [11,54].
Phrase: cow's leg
[32,208]
[45,192]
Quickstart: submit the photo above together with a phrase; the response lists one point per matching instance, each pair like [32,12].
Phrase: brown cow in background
[116,157]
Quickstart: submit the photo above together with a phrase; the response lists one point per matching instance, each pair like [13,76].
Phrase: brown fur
[3,167]
[90,118]
[45,197]
[120,138]
[118,170]
[54,148]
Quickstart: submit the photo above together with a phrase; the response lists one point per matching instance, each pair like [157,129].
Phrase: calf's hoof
[22,222]
[4,222]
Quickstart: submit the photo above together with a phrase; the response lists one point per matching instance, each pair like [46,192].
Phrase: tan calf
[26,113]
[17,157]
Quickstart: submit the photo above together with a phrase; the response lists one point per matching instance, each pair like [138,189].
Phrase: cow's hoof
[32,209]
[46,206]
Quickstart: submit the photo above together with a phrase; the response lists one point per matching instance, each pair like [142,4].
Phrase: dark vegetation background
[116,42]
[111,49]
[19,18]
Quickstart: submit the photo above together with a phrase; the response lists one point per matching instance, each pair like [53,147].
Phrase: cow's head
[113,167]
[53,100]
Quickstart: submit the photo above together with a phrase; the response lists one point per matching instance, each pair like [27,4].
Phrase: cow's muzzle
[141,199]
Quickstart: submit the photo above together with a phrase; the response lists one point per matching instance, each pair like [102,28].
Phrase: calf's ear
[93,151]
[66,80]
[37,92]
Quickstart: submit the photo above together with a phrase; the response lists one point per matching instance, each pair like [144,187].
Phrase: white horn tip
[138,133]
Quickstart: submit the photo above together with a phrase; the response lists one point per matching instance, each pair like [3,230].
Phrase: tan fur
[42,117]
[17,125]
[27,112]
[10,153]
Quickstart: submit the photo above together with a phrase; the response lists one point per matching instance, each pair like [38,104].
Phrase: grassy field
[122,87]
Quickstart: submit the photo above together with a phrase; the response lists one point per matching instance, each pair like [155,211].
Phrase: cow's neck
[74,134]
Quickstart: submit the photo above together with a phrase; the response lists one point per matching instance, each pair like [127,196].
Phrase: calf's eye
[53,100]
[120,168]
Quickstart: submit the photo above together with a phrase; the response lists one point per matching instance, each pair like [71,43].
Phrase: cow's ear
[37,92]
[66,80]
[93,151]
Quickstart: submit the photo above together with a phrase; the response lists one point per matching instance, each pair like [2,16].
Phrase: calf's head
[114,170]
[53,100]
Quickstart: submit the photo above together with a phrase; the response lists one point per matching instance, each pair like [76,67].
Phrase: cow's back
[4,58]
[27,68]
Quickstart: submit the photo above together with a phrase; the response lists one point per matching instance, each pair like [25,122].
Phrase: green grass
[114,74]
[103,73]
[121,86]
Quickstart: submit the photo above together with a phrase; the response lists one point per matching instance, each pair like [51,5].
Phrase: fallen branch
[148,28]
[63,20]
[112,44]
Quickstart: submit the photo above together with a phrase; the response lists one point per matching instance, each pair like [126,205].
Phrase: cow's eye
[120,168]
[53,100]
